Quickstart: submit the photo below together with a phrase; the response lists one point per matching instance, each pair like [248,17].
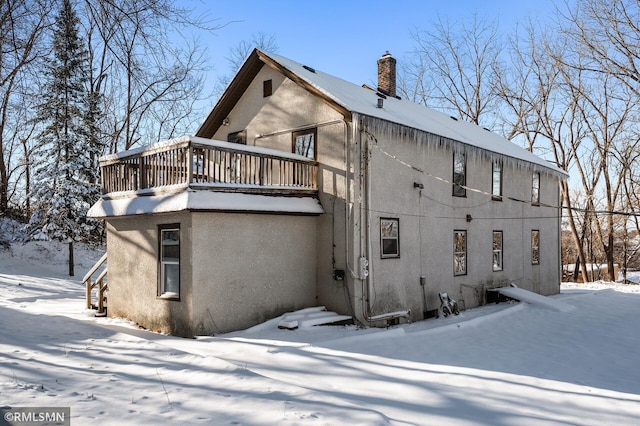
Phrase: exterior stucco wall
[429,216]
[248,268]
[132,250]
[236,270]
[274,118]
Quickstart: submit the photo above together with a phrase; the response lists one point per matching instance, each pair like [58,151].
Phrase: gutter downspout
[369,275]
[347,188]
[366,266]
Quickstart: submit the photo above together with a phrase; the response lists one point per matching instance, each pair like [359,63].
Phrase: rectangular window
[459,252]
[304,143]
[497,250]
[459,174]
[169,276]
[535,188]
[389,238]
[496,181]
[267,88]
[535,247]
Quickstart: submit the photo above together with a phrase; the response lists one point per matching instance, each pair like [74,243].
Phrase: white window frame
[164,263]
[389,231]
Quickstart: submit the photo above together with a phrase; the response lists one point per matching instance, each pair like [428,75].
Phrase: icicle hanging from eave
[391,130]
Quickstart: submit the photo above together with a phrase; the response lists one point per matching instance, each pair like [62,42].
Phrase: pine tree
[65,177]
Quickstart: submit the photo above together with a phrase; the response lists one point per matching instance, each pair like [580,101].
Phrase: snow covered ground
[506,364]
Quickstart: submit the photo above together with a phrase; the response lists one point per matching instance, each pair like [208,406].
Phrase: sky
[346,38]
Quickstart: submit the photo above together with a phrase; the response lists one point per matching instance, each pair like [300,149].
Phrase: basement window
[459,174]
[460,252]
[169,262]
[304,143]
[389,238]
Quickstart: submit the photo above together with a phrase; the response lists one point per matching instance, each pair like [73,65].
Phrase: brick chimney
[387,74]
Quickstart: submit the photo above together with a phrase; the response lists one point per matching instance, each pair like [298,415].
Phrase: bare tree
[599,66]
[148,82]
[238,54]
[23,25]
[455,68]
[146,76]
[608,33]
[541,111]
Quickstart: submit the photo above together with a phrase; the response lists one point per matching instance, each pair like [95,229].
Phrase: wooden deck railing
[206,164]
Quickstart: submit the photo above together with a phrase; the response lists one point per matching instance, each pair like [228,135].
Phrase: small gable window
[459,174]
[304,143]
[267,88]
[389,238]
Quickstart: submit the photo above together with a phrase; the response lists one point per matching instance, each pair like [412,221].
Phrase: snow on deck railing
[207,164]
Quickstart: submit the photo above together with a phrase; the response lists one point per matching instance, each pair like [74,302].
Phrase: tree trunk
[611,271]
[574,232]
[71,269]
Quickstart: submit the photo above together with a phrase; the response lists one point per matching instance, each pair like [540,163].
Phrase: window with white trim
[169,261]
[389,238]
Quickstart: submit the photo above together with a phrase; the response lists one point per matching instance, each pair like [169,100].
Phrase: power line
[502,197]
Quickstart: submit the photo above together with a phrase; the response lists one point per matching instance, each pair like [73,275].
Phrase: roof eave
[241,82]
[231,96]
[346,113]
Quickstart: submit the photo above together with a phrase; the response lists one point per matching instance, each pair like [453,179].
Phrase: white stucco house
[300,189]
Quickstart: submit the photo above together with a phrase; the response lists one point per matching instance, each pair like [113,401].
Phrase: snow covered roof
[204,200]
[351,99]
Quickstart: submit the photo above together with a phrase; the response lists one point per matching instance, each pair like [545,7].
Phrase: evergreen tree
[66,180]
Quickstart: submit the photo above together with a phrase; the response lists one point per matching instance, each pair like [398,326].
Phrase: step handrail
[102,287]
[95,267]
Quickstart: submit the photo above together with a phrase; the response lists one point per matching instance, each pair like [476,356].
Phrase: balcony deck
[204,164]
